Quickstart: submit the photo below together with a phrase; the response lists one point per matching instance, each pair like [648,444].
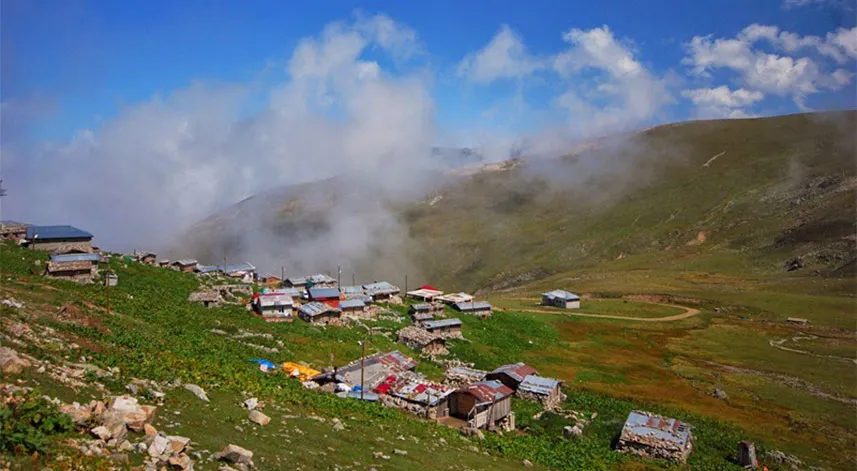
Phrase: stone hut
[653,436]
[59,239]
[207,298]
[422,340]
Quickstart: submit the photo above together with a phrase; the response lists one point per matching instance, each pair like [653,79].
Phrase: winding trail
[688,312]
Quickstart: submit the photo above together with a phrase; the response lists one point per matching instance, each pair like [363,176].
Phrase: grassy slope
[758,204]
[153,332]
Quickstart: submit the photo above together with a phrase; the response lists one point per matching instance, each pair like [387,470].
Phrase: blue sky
[177,109]
[84,60]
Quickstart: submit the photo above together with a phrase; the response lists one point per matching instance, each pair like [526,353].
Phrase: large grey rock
[197,391]
[572,432]
[235,454]
[251,403]
[159,445]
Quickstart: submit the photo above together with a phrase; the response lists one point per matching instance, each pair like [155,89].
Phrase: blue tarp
[265,363]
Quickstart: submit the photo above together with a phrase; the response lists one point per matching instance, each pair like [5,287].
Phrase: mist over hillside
[770,190]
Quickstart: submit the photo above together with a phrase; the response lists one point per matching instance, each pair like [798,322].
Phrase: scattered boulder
[149,430]
[572,432]
[101,432]
[259,418]
[180,462]
[720,394]
[159,445]
[473,432]
[251,403]
[397,451]
[338,426]
[177,444]
[528,464]
[197,391]
[236,455]
[133,388]
[11,363]
[80,415]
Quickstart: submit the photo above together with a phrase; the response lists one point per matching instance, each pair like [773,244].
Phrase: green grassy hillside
[775,190]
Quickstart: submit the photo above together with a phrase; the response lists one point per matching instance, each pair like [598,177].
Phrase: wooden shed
[484,404]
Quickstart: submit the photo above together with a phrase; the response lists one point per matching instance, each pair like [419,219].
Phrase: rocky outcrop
[11,363]
[197,391]
[236,455]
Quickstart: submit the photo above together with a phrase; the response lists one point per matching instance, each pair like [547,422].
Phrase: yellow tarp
[301,372]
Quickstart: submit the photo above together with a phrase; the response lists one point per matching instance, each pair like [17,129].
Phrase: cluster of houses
[72,256]
[467,398]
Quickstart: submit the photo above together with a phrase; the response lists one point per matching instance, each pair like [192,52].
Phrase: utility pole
[362,360]
[353,282]
[406,283]
[339,276]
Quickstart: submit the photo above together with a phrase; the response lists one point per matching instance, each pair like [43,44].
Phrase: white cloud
[144,176]
[623,94]
[504,57]
[791,4]
[721,102]
[782,75]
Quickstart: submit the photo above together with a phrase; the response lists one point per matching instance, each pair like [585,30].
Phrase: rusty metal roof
[650,429]
[489,391]
[516,371]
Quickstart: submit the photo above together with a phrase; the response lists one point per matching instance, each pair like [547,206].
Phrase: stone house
[425,293]
[59,239]
[422,340]
[547,391]
[381,290]
[78,267]
[207,298]
[187,265]
[446,328]
[653,436]
[461,376]
[474,308]
[149,258]
[318,313]
[11,230]
[353,308]
[414,394]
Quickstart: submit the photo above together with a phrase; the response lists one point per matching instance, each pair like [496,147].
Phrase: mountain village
[471,400]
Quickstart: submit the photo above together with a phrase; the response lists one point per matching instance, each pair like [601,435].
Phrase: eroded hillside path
[688,312]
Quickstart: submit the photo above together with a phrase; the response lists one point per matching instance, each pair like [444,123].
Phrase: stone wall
[60,247]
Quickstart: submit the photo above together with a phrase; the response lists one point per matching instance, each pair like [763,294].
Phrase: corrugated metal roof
[314,309]
[76,257]
[274,299]
[489,391]
[319,278]
[238,267]
[517,371]
[351,303]
[473,306]
[442,323]
[456,297]
[421,307]
[381,287]
[319,293]
[293,292]
[421,392]
[207,268]
[57,232]
[296,281]
[424,293]
[352,290]
[560,294]
[538,385]
[643,427]
[185,262]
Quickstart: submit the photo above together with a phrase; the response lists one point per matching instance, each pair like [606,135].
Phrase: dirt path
[688,312]
[778,344]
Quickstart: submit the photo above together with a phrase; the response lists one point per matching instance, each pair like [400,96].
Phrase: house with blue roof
[561,299]
[59,239]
